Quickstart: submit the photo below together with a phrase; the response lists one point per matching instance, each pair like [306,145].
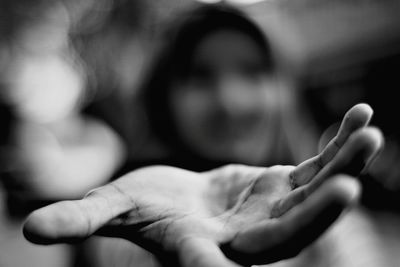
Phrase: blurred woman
[215,94]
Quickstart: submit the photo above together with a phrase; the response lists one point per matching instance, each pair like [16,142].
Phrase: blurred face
[224,109]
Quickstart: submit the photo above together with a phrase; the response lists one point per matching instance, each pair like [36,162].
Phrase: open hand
[231,216]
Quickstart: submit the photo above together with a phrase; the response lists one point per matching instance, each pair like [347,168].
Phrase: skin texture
[236,215]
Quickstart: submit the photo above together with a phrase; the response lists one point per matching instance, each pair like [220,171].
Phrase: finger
[70,221]
[294,198]
[202,252]
[285,237]
[356,118]
[352,159]
[355,156]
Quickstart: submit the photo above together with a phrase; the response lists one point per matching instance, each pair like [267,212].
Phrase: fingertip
[36,228]
[361,114]
[344,189]
[363,108]
[57,223]
[371,138]
[375,135]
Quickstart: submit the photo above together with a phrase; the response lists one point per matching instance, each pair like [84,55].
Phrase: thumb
[62,222]
[71,221]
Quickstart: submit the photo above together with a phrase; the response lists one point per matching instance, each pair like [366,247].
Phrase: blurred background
[70,112]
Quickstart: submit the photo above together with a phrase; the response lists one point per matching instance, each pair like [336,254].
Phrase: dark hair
[174,58]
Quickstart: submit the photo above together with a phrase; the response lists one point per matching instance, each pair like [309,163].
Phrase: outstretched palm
[232,215]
